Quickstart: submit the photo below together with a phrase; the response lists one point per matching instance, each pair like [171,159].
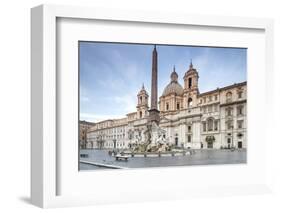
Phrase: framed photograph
[189,124]
[149,106]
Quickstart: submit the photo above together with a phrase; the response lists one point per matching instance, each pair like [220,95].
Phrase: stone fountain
[154,140]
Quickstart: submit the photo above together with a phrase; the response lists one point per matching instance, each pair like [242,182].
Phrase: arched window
[228,97]
[141,99]
[167,106]
[189,102]
[140,114]
[189,83]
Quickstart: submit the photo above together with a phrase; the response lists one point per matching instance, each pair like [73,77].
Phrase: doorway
[210,145]
[176,141]
[228,142]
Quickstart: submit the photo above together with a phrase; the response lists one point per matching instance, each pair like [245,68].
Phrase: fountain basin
[159,154]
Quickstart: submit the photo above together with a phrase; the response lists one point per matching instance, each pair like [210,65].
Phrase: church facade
[189,119]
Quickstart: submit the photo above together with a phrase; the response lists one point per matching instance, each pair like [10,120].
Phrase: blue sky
[112,74]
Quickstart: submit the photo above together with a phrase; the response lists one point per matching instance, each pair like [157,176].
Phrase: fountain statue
[154,140]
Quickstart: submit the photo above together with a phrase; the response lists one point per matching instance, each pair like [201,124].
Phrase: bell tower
[142,106]
[190,87]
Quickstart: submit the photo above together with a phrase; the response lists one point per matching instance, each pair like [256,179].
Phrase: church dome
[173,87]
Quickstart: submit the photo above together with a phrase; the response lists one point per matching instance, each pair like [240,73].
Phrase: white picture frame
[45,168]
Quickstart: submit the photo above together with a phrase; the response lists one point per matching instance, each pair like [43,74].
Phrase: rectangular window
[204,127]
[189,129]
[216,97]
[167,106]
[189,138]
[178,106]
[228,112]
[240,94]
[210,108]
[216,126]
[210,125]
[240,124]
[204,109]
[240,110]
[229,125]
[210,98]
[204,99]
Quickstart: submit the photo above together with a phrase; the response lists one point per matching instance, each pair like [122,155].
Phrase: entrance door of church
[210,145]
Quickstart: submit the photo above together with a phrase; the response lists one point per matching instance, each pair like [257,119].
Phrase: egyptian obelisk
[153,112]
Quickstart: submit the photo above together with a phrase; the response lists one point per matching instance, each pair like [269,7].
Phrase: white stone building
[215,119]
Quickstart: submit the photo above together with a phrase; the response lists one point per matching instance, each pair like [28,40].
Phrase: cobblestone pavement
[201,157]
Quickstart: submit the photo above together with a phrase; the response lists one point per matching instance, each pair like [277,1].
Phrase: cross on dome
[191,65]
[143,86]
[174,75]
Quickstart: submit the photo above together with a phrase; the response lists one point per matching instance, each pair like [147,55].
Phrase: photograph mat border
[43,75]
[71,30]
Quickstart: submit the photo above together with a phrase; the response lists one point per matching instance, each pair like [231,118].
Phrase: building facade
[84,126]
[190,119]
